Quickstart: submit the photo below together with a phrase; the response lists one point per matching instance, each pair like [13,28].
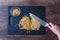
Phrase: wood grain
[52,15]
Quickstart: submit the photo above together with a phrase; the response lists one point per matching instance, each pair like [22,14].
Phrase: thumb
[50,26]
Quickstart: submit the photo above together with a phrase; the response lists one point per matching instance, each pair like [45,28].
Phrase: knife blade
[42,22]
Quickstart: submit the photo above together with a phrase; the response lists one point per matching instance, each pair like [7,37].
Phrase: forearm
[58,34]
[59,37]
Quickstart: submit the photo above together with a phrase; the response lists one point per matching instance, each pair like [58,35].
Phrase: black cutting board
[13,29]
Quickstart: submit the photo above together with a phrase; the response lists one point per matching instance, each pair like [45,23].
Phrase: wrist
[58,34]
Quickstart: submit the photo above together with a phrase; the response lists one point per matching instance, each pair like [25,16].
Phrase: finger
[56,25]
[49,27]
[52,25]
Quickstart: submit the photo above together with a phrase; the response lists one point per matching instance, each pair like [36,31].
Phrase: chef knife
[42,22]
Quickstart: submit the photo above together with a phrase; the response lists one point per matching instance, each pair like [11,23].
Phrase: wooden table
[52,15]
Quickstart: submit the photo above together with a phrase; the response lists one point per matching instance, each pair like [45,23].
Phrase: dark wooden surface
[52,15]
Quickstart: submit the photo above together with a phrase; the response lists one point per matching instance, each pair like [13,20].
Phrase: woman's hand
[55,29]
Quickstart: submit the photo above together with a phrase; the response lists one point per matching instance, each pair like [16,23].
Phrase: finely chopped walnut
[15,12]
[28,24]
